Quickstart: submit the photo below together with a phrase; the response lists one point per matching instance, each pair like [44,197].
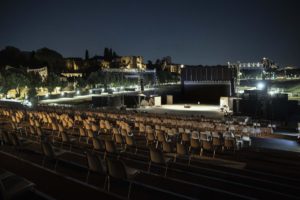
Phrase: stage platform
[210,111]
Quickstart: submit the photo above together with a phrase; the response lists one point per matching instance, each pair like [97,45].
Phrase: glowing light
[260,86]
[181,66]
[62,94]
[90,91]
[77,92]
[47,95]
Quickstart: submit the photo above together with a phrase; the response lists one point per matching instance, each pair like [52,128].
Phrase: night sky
[190,31]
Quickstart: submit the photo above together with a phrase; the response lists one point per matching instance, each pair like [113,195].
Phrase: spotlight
[260,86]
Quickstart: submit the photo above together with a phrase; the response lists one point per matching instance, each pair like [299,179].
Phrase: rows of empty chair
[133,147]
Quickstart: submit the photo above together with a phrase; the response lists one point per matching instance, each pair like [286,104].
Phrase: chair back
[157,156]
[65,137]
[110,146]
[129,140]
[98,144]
[167,147]
[6,138]
[94,163]
[118,139]
[47,149]
[185,137]
[181,149]
[15,140]
[229,143]
[116,169]
[207,145]
[195,143]
[216,141]
[160,136]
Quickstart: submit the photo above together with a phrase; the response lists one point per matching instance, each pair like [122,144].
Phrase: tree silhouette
[87,54]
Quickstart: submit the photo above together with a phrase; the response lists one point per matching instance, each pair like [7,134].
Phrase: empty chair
[96,165]
[168,147]
[6,139]
[98,145]
[110,148]
[118,170]
[207,146]
[181,151]
[130,142]
[67,140]
[90,135]
[157,157]
[195,145]
[217,142]
[150,137]
[49,153]
[229,143]
[185,138]
[118,139]
[161,137]
[82,134]
[39,133]
[12,187]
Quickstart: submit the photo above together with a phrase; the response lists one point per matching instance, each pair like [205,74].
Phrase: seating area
[130,155]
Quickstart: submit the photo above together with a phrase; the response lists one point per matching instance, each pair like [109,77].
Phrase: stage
[210,111]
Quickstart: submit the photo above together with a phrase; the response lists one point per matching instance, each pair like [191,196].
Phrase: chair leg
[214,153]
[108,183]
[44,160]
[166,170]
[136,149]
[201,152]
[87,177]
[105,181]
[149,167]
[129,190]
[55,164]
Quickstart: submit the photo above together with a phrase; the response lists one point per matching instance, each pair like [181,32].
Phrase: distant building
[74,64]
[129,62]
[43,72]
[71,74]
[174,68]
[168,66]
[104,64]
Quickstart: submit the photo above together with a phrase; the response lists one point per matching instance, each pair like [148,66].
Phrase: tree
[114,55]
[35,80]
[52,82]
[106,54]
[87,54]
[32,95]
[51,58]
[150,65]
[95,78]
[110,54]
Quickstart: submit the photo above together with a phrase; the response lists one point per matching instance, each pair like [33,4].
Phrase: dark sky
[190,31]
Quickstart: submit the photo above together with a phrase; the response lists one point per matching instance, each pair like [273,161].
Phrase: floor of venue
[209,111]
[255,170]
